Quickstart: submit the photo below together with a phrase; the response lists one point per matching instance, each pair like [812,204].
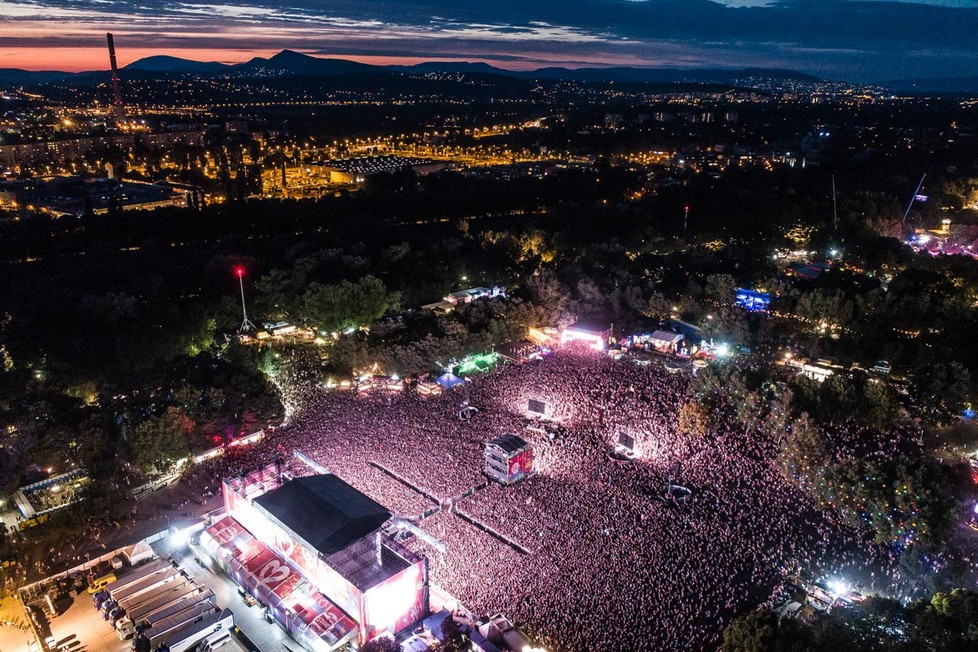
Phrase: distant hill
[165,63]
[452,67]
[617,74]
[18,77]
[288,62]
[291,63]
[940,85]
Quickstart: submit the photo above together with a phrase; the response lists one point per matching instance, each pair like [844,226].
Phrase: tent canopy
[449,380]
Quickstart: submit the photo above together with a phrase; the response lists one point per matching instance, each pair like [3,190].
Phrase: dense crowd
[606,562]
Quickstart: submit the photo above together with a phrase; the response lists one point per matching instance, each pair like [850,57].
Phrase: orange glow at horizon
[80,59]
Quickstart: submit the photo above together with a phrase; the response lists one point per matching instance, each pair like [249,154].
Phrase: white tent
[138,553]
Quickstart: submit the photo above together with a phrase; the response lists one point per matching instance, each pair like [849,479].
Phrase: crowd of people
[602,561]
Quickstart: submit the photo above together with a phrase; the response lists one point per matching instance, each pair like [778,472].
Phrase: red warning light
[239,271]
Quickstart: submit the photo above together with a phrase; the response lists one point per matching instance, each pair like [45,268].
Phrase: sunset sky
[857,40]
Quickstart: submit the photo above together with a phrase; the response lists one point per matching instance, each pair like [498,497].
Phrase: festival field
[586,553]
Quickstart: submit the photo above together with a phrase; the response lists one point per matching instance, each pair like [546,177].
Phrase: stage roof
[667,336]
[509,443]
[592,327]
[324,511]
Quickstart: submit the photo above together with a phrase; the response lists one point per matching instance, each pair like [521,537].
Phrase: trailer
[201,632]
[166,592]
[164,599]
[176,607]
[176,622]
[176,582]
[134,576]
[133,588]
[138,553]
[142,586]
[127,626]
[137,593]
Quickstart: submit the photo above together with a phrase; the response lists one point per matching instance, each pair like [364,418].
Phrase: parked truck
[176,622]
[127,594]
[204,631]
[169,594]
[130,625]
[177,586]
[137,574]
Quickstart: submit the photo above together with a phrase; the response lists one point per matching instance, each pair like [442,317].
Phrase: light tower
[246,325]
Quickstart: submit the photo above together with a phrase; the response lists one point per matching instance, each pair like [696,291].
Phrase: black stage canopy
[324,511]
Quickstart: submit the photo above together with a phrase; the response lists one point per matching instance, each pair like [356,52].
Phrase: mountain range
[291,63]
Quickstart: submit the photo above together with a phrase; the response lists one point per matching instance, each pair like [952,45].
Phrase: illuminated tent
[449,380]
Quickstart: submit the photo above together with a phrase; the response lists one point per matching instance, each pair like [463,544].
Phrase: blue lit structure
[752,300]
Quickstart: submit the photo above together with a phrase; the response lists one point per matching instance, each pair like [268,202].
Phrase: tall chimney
[118,108]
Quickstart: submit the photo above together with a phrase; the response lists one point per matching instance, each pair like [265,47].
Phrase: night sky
[853,40]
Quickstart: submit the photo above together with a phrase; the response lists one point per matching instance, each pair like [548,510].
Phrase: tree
[159,441]
[275,293]
[548,292]
[903,500]
[804,453]
[824,312]
[755,632]
[381,644]
[729,324]
[658,306]
[940,390]
[347,305]
[879,407]
[453,638]
[950,621]
[692,419]
[720,288]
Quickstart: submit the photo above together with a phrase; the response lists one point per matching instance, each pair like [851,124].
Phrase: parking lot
[80,628]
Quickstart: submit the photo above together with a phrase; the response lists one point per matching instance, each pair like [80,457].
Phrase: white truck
[160,596]
[179,606]
[136,593]
[136,575]
[192,614]
[143,585]
[149,612]
[203,632]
